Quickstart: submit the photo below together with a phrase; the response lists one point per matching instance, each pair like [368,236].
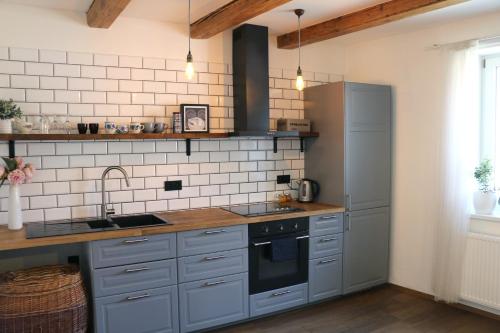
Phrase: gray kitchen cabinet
[212,240]
[324,246]
[325,277]
[131,250]
[129,278]
[368,146]
[152,310]
[326,224]
[278,299]
[211,265]
[213,302]
[366,249]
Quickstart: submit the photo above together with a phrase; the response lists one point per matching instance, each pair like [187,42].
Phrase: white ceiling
[281,19]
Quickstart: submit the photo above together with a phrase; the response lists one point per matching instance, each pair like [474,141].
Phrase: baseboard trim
[460,306]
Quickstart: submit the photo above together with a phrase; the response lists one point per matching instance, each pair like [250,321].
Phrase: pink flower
[2,171]
[20,163]
[28,173]
[16,177]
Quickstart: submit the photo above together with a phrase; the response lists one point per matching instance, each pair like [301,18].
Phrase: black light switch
[173,185]
[283,179]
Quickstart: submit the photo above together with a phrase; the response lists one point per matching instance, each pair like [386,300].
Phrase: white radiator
[481,277]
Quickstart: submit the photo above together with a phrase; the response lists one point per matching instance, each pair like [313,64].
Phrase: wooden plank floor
[385,309]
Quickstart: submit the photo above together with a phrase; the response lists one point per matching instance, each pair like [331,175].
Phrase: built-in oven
[278,254]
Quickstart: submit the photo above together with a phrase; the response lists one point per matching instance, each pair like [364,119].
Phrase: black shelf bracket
[275,144]
[188,147]
[301,144]
[12,148]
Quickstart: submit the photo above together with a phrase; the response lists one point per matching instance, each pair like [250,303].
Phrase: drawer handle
[214,258]
[211,232]
[209,284]
[132,270]
[302,237]
[324,240]
[135,241]
[262,243]
[327,261]
[281,293]
[328,217]
[132,298]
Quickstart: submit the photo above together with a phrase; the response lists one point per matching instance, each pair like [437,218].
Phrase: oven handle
[269,242]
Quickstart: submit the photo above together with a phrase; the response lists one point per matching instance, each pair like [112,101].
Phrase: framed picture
[194,118]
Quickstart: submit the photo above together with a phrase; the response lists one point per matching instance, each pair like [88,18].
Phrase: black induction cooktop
[259,209]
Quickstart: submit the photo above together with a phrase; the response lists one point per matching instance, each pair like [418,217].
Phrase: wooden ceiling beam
[366,18]
[231,15]
[102,13]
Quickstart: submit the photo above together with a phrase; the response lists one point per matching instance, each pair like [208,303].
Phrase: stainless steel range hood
[251,80]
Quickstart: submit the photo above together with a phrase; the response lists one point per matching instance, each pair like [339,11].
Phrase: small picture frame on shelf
[195,118]
[176,122]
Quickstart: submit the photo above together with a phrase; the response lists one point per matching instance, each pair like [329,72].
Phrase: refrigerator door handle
[348,218]
[348,201]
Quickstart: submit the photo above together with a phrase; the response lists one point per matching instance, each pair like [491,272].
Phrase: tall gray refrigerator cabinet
[351,160]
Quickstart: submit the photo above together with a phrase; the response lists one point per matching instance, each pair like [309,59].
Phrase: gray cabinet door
[213,302]
[278,299]
[325,277]
[366,249]
[152,310]
[212,240]
[368,146]
[324,246]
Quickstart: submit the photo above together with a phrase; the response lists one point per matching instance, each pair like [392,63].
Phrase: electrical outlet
[283,179]
[173,185]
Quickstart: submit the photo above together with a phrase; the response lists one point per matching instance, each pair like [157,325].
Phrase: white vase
[485,202]
[15,216]
[6,126]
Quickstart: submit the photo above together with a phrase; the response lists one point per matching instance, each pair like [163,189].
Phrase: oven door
[266,274]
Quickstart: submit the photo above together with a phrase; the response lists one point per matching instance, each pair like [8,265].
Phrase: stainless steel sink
[136,221]
[127,221]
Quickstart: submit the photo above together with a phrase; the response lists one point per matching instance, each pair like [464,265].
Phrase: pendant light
[299,83]
[189,59]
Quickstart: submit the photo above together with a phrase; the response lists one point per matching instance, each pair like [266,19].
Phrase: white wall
[408,63]
[32,27]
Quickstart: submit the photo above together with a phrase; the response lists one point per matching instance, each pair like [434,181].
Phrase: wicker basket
[43,299]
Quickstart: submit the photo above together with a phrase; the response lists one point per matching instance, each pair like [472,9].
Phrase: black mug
[94,128]
[82,128]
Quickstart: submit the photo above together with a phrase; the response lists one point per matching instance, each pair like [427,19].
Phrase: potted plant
[16,172]
[485,198]
[8,111]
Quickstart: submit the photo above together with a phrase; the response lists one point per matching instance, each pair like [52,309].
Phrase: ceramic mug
[149,127]
[82,128]
[94,128]
[122,129]
[159,127]
[110,127]
[136,127]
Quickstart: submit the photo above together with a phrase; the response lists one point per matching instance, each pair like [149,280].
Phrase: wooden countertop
[178,221]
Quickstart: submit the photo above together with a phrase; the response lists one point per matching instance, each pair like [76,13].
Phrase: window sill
[486,224]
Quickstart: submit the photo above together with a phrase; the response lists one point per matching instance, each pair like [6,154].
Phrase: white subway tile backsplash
[69,174]
[105,60]
[142,74]
[52,56]
[154,63]
[14,94]
[80,58]
[46,201]
[11,67]
[93,97]
[24,81]
[4,53]
[50,82]
[95,148]
[55,188]
[66,96]
[177,204]
[62,213]
[23,54]
[118,73]
[64,70]
[4,81]
[129,61]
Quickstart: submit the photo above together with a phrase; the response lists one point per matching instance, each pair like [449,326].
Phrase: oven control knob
[296,226]
[281,227]
[266,229]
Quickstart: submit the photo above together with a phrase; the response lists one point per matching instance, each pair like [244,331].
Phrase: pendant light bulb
[189,59]
[299,83]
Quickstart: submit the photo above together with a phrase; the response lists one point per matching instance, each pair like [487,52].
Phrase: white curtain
[458,151]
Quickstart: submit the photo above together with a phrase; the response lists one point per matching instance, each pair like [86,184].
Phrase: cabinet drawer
[152,310]
[211,265]
[131,250]
[278,299]
[323,246]
[326,224]
[213,302]
[212,240]
[123,279]
[325,277]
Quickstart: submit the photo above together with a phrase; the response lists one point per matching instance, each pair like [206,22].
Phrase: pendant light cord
[189,24]
[299,39]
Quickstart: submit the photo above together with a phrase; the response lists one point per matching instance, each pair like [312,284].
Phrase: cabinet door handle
[211,232]
[302,237]
[328,217]
[281,293]
[131,298]
[214,258]
[324,240]
[262,243]
[327,261]
[135,241]
[132,270]
[209,284]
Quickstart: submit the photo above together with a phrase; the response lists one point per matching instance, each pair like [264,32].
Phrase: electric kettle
[308,190]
